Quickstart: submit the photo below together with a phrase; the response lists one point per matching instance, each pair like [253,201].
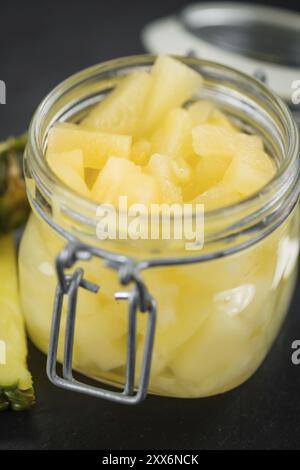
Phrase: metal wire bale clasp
[139,300]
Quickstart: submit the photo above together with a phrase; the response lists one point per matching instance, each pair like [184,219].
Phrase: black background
[42,43]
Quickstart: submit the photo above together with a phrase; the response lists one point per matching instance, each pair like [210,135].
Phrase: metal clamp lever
[139,300]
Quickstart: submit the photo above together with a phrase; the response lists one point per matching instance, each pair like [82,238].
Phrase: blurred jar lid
[258,40]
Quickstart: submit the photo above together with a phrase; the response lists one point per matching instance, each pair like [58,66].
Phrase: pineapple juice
[216,321]
[152,140]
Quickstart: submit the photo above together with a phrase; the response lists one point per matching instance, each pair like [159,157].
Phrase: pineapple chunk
[200,112]
[74,159]
[248,143]
[101,331]
[249,171]
[181,171]
[71,178]
[208,172]
[15,379]
[173,83]
[219,195]
[174,136]
[218,353]
[121,111]
[122,177]
[160,167]
[217,118]
[141,151]
[212,141]
[216,148]
[206,112]
[96,146]
[176,322]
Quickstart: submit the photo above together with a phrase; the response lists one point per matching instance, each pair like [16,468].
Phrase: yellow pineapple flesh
[173,138]
[96,146]
[15,380]
[173,83]
[121,112]
[121,178]
[74,159]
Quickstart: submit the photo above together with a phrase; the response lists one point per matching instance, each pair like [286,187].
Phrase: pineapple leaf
[17,400]
[14,207]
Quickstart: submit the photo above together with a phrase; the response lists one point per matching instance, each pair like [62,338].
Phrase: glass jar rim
[279,194]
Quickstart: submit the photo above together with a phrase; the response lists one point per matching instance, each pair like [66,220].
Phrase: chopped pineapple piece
[176,322]
[211,358]
[212,141]
[200,112]
[141,151]
[71,178]
[217,118]
[249,171]
[96,327]
[15,379]
[208,172]
[121,111]
[245,142]
[96,146]
[215,147]
[173,83]
[160,167]
[181,171]
[206,112]
[122,177]
[173,137]
[74,159]
[220,195]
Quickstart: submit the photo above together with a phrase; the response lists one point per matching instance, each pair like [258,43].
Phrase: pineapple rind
[16,389]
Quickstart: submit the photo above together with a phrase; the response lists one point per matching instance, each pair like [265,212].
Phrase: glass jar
[219,309]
